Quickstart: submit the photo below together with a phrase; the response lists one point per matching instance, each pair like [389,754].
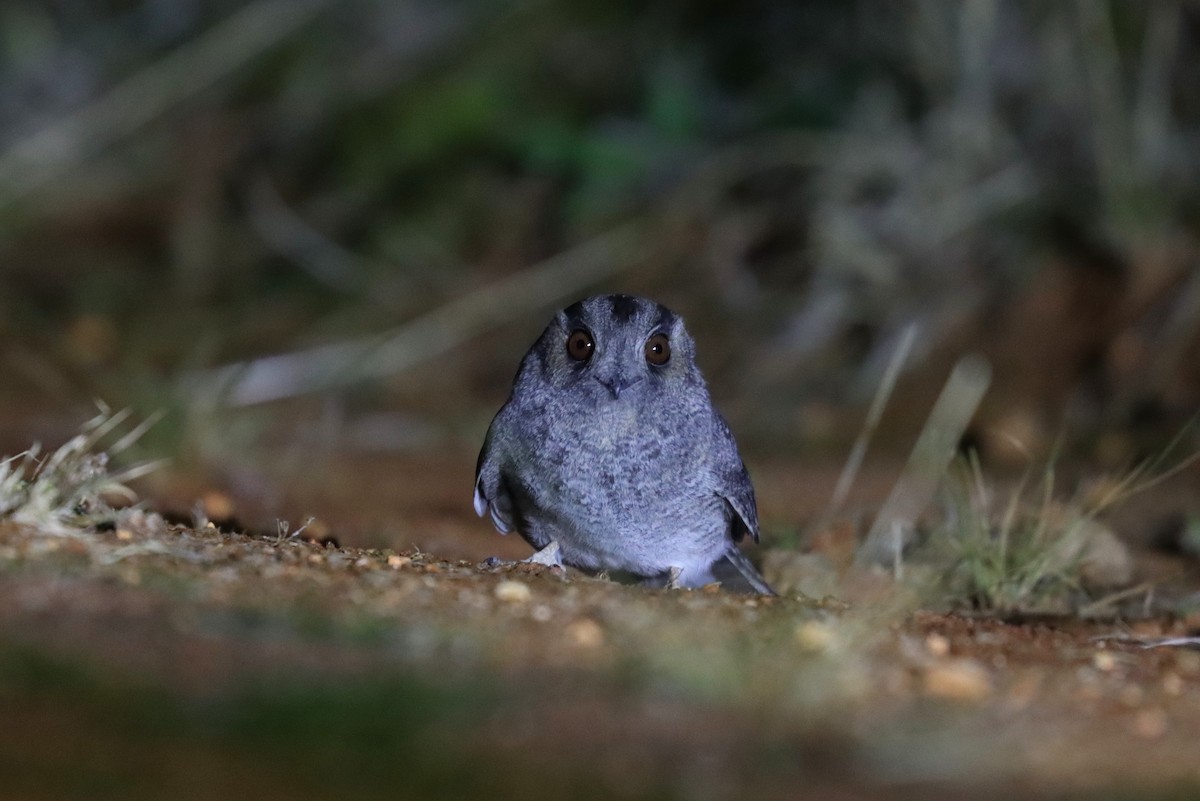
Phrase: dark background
[189,185]
[392,198]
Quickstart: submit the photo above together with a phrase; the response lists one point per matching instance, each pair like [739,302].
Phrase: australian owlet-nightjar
[609,454]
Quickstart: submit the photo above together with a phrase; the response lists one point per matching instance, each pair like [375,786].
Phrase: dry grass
[71,488]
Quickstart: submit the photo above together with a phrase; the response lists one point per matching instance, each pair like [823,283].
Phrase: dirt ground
[165,661]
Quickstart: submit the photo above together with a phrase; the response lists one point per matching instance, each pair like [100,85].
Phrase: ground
[148,660]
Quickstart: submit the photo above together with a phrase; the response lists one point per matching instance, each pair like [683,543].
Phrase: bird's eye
[580,345]
[658,349]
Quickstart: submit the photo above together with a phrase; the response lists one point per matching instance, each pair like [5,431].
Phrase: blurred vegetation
[184,184]
[191,184]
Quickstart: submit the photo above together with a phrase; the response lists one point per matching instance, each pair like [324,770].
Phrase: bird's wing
[491,494]
[734,570]
[733,482]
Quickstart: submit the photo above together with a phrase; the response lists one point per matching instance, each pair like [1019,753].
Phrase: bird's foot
[550,556]
[673,576]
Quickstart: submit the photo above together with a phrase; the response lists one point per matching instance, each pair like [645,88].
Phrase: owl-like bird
[609,454]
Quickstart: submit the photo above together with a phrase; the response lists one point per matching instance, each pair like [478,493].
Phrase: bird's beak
[617,384]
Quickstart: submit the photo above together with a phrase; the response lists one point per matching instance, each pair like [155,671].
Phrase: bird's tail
[737,573]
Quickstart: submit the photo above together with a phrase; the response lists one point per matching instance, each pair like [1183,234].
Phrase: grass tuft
[1021,555]
[1033,552]
[72,488]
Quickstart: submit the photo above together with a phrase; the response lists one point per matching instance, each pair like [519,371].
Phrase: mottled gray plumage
[617,455]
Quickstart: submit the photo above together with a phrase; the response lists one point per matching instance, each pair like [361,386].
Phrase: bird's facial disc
[618,344]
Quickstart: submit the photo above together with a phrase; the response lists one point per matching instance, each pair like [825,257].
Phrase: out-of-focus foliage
[186,182]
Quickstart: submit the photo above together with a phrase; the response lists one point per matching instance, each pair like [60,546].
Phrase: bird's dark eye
[580,345]
[658,349]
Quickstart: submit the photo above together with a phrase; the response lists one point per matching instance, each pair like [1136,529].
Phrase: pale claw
[673,578]
[550,556]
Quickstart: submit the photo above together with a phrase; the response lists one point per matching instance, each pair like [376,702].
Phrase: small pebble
[937,645]
[511,591]
[585,632]
[958,680]
[814,636]
[396,562]
[217,505]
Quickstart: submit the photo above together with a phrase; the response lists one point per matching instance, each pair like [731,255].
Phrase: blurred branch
[428,336]
[927,463]
[289,234]
[977,22]
[874,415]
[1152,108]
[53,153]
[1102,62]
